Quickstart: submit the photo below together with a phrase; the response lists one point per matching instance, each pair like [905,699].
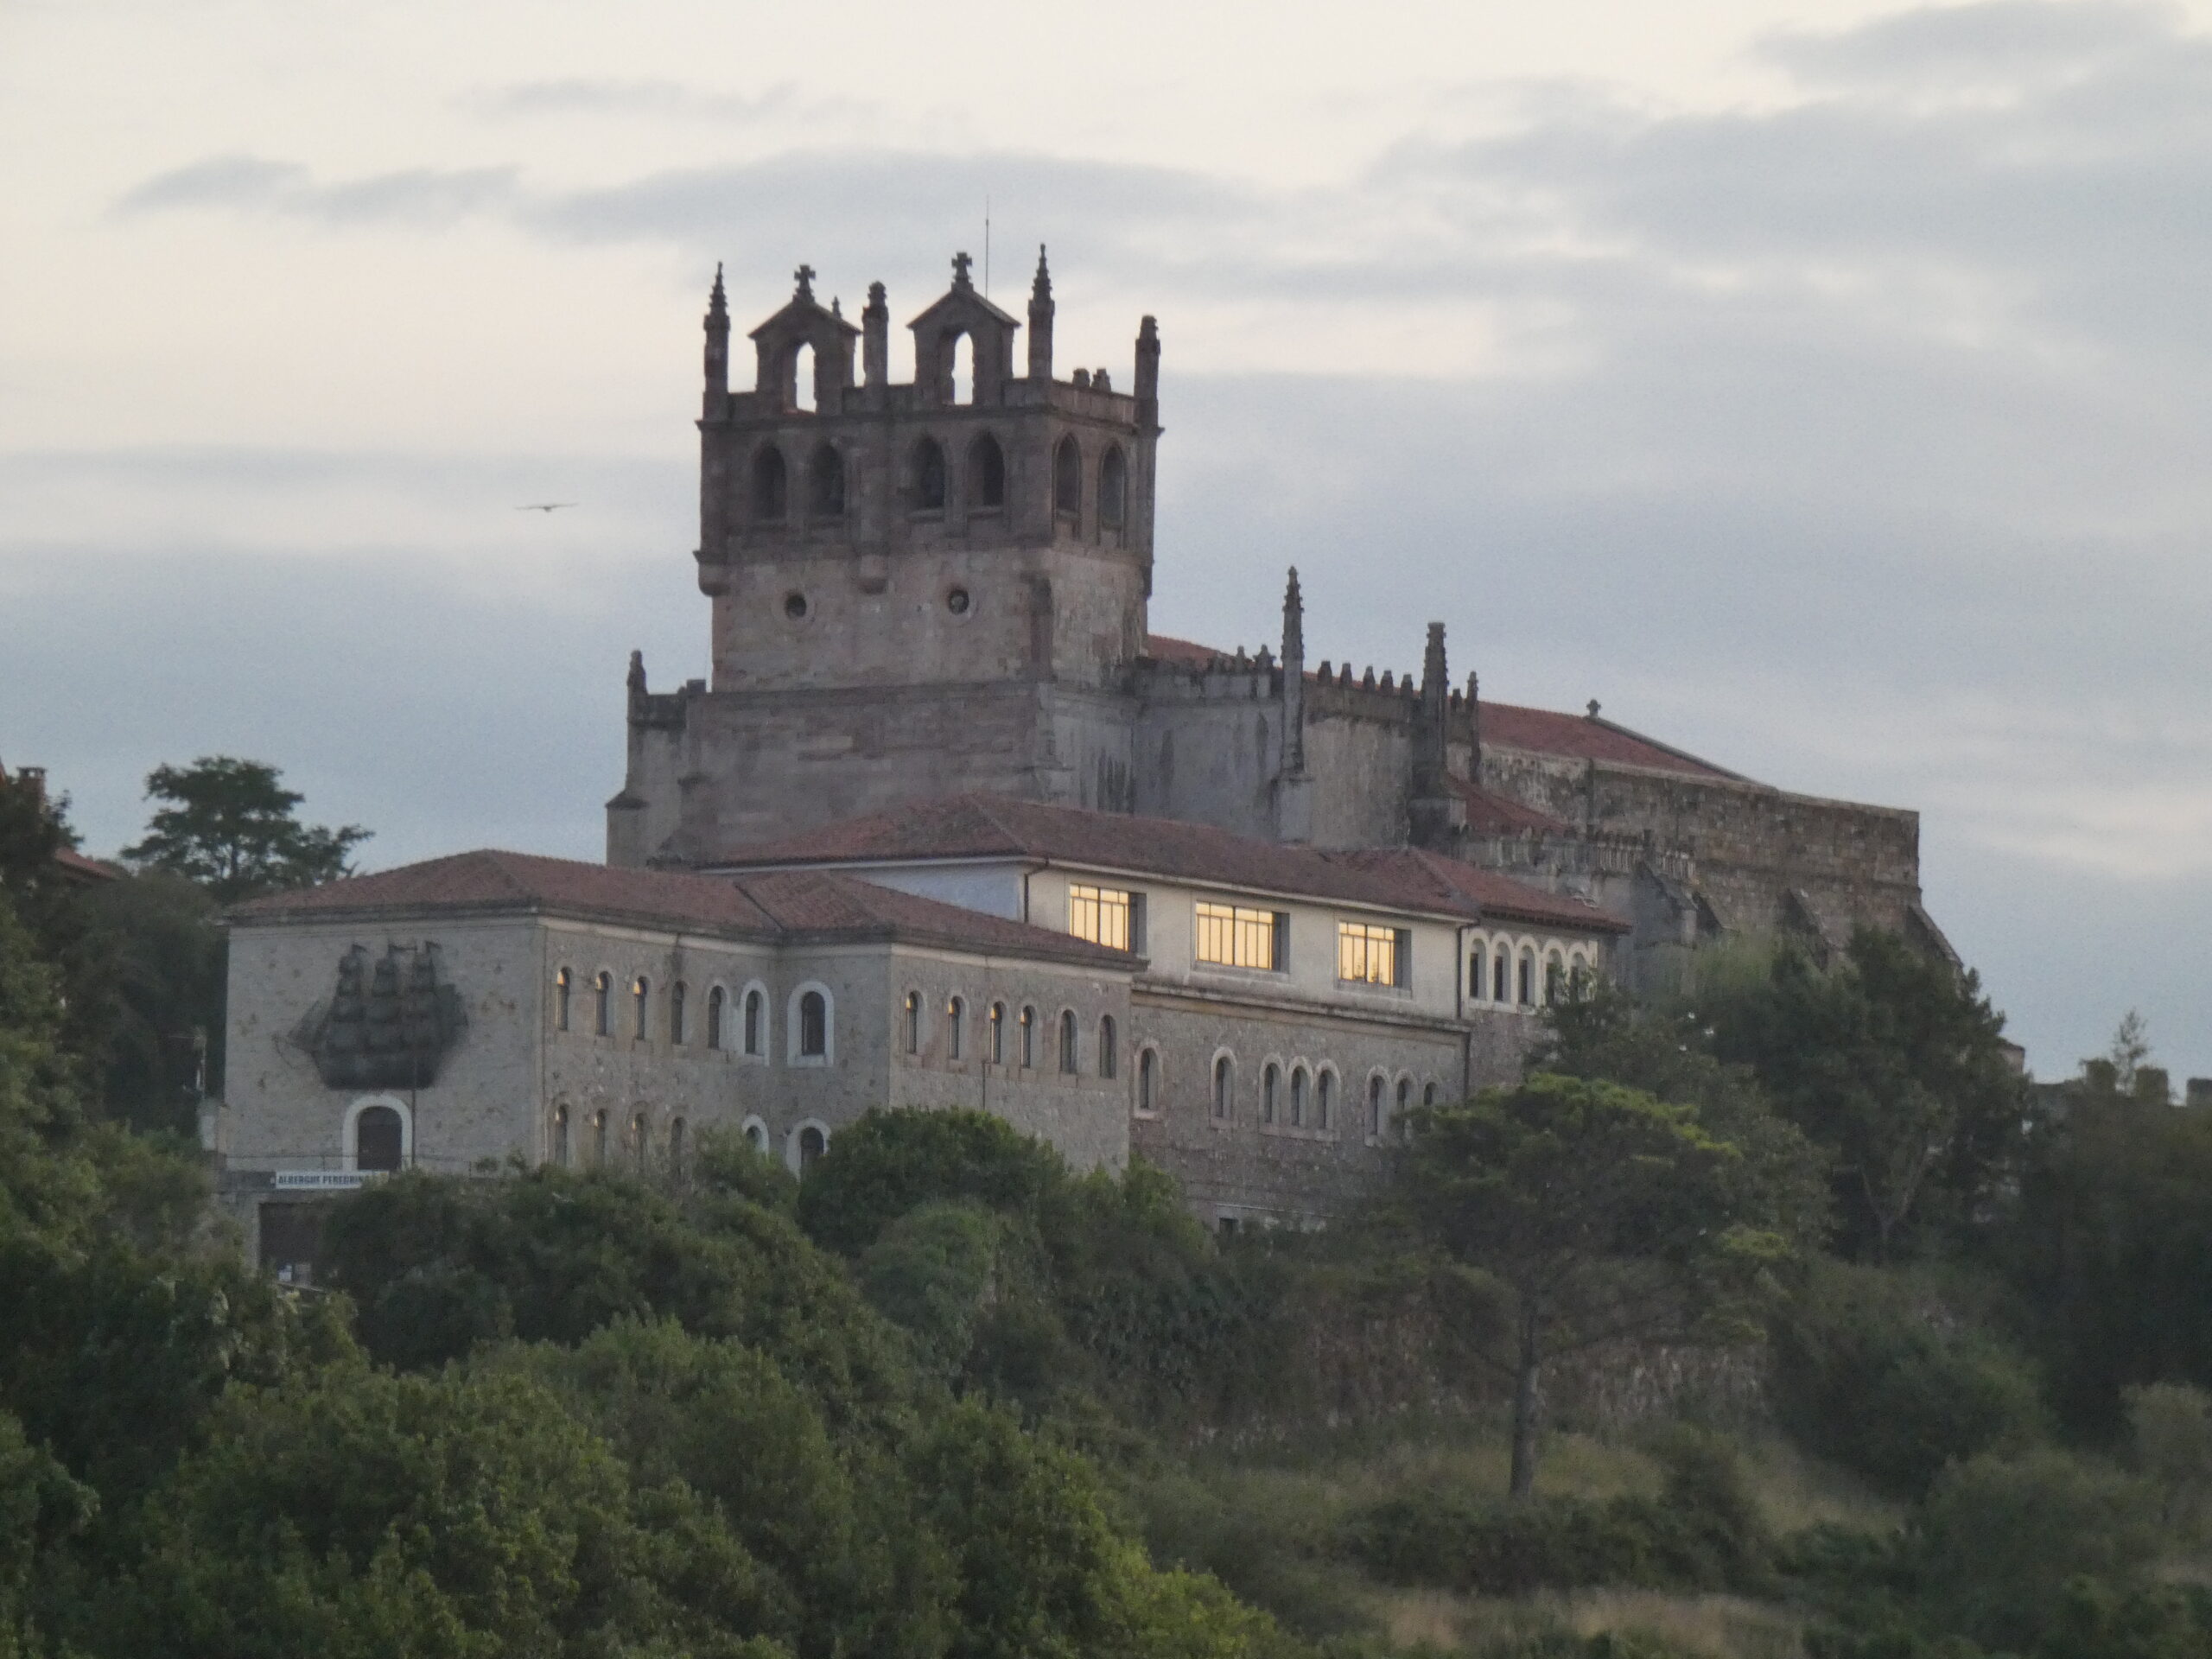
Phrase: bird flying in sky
[544,506]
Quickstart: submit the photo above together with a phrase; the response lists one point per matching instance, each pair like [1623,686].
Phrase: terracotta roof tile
[1493,814]
[771,906]
[987,826]
[1493,893]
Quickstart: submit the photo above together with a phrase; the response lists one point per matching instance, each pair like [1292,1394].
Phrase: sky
[1824,388]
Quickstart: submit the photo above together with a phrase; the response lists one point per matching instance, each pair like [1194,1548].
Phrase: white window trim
[1221,1120]
[791,1138]
[349,1158]
[829,1054]
[755,1131]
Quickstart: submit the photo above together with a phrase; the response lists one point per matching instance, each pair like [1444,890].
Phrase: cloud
[413,196]
[584,96]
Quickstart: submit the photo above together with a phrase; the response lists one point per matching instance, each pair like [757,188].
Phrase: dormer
[777,343]
[962,311]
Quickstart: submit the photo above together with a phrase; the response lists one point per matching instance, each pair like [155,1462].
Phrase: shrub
[891,1162]
[2170,1433]
[1863,1375]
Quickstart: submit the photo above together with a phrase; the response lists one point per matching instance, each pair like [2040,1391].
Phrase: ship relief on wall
[390,1023]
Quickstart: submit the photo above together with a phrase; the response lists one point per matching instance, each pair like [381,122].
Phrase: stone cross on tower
[960,277]
[805,276]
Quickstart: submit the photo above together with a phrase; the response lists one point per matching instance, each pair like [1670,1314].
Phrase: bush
[1997,1539]
[891,1162]
[1863,1375]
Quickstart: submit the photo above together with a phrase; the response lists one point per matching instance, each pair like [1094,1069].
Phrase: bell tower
[958,563]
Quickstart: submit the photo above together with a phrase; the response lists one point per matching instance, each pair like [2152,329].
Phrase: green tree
[231,826]
[1895,1064]
[1602,1215]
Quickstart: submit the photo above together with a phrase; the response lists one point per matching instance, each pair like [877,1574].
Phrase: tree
[1604,1215]
[229,826]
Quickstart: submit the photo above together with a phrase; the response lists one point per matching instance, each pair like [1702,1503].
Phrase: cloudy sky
[1824,387]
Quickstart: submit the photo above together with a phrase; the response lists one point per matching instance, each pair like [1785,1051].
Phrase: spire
[714,401]
[875,337]
[1294,678]
[717,301]
[1293,620]
[1148,382]
[1040,320]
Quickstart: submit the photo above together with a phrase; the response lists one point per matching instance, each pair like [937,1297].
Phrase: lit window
[1369,954]
[1103,915]
[1237,937]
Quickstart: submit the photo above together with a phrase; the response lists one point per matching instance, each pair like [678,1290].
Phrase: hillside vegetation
[1784,1324]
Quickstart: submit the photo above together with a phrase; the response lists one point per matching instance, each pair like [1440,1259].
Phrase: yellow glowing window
[1237,937]
[1369,954]
[1103,915]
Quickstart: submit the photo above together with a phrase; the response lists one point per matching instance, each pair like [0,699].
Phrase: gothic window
[1028,1036]
[676,1012]
[602,989]
[813,1025]
[561,1137]
[986,472]
[1148,1081]
[1224,1087]
[825,483]
[1270,1085]
[1298,1087]
[640,996]
[675,1149]
[1067,478]
[928,476]
[1108,1061]
[756,1010]
[956,1021]
[1325,1099]
[768,485]
[640,1142]
[1113,489]
[377,1139]
[561,985]
[715,1002]
[1067,1044]
[998,1033]
[913,1022]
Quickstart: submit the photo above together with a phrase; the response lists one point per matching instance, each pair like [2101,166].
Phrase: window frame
[1239,929]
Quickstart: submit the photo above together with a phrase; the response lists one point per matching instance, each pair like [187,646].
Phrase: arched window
[1067,479]
[1108,1061]
[1270,1085]
[963,369]
[561,985]
[1113,489]
[825,483]
[1028,1035]
[676,1012]
[1325,1099]
[756,1135]
[802,386]
[378,1136]
[928,476]
[769,492]
[715,1002]
[812,1143]
[599,1139]
[1374,1091]
[913,1022]
[603,1003]
[756,1014]
[561,1137]
[1298,1086]
[956,1022]
[1148,1081]
[1528,979]
[998,1033]
[1554,977]
[1067,1043]
[640,1142]
[1429,1094]
[1224,1087]
[1479,975]
[640,996]
[675,1149]
[986,472]
[1502,983]
[813,1025]
[1404,1103]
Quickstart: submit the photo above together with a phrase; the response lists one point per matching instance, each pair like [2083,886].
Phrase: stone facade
[920,590]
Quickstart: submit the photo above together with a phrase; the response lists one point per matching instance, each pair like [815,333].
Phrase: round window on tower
[957,601]
[795,607]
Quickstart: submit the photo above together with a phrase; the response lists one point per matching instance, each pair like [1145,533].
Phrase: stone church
[951,826]
[926,588]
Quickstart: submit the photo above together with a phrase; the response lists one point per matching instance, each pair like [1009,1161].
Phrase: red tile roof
[1493,894]
[1491,814]
[997,826]
[793,906]
[1162,649]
